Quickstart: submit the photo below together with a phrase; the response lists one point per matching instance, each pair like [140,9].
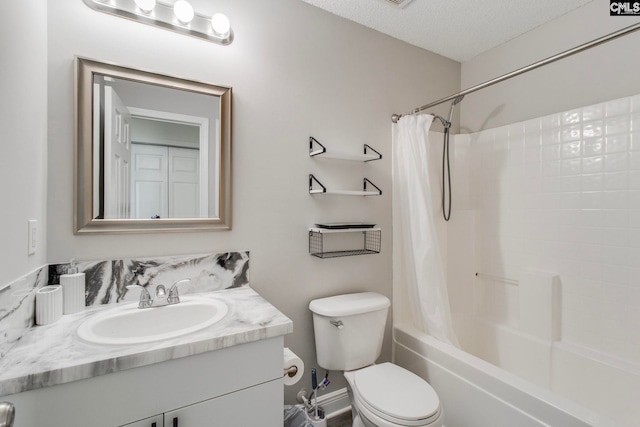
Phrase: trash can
[295,416]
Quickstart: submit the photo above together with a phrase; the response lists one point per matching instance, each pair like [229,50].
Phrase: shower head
[456,101]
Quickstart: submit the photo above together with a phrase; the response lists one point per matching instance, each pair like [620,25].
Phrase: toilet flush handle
[337,323]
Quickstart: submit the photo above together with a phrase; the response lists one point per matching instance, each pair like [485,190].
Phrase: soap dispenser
[73,289]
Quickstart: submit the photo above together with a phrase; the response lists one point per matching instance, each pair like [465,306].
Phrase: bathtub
[475,393]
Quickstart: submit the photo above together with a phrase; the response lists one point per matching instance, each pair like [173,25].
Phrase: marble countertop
[54,354]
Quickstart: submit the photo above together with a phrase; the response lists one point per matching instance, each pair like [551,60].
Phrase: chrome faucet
[162,298]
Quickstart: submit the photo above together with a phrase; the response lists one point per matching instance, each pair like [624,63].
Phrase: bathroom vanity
[228,374]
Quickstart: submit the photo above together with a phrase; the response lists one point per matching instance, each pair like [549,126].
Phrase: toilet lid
[395,393]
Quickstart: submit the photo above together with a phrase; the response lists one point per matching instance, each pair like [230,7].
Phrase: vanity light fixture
[220,24]
[146,6]
[183,11]
[178,16]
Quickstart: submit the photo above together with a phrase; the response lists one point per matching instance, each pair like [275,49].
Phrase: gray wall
[23,123]
[605,72]
[296,71]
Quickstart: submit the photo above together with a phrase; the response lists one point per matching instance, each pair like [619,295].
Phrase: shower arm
[445,123]
[593,43]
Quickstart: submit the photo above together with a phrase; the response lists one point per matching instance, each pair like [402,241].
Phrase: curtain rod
[549,60]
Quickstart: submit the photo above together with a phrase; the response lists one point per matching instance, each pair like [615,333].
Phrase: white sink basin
[131,325]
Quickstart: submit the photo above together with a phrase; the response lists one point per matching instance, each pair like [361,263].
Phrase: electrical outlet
[32,235]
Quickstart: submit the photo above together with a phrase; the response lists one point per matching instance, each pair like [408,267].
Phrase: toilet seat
[395,395]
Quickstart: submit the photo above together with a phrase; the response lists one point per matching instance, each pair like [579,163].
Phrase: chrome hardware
[585,46]
[337,323]
[145,297]
[161,299]
[174,295]
[7,414]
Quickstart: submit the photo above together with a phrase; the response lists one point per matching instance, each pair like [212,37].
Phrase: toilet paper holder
[291,371]
[293,367]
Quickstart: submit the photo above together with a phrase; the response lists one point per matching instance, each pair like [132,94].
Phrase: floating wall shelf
[369,238]
[371,242]
[316,187]
[317,149]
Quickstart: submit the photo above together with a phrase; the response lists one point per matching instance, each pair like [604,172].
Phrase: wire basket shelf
[370,242]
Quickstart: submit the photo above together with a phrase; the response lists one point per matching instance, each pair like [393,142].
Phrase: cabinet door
[156,421]
[260,405]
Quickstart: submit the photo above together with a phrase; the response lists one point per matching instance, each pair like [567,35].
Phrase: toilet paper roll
[48,304]
[292,360]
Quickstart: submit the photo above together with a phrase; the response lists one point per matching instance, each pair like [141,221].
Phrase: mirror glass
[153,151]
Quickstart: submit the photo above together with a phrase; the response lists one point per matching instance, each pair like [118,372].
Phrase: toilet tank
[349,329]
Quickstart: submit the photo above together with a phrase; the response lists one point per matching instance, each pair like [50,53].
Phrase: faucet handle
[174,294]
[145,297]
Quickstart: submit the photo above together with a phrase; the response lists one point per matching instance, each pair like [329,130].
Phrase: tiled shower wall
[560,194]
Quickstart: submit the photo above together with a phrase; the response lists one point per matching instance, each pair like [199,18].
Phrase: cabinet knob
[175,422]
[154,424]
[7,414]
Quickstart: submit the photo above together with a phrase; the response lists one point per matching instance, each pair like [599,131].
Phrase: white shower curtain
[417,262]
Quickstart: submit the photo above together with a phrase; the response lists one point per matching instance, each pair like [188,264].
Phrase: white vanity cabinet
[250,407]
[236,386]
[157,421]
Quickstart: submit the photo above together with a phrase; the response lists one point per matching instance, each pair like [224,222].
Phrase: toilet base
[357,422]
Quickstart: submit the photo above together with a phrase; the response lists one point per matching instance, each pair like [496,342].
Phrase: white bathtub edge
[539,403]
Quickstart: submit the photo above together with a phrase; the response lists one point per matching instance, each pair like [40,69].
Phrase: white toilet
[348,331]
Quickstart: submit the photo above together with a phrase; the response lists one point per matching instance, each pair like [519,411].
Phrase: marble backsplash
[17,307]
[107,281]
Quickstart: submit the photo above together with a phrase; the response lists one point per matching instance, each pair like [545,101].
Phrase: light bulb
[146,5]
[220,24]
[183,11]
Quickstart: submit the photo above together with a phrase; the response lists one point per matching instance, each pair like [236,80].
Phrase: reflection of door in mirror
[166,170]
[184,184]
[117,156]
[168,175]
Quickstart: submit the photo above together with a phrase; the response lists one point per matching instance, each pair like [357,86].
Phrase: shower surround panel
[562,194]
[558,194]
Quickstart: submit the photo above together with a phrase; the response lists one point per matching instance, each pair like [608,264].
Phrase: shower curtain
[417,262]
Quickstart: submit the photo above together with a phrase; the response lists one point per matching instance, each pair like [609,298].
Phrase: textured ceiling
[457,29]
